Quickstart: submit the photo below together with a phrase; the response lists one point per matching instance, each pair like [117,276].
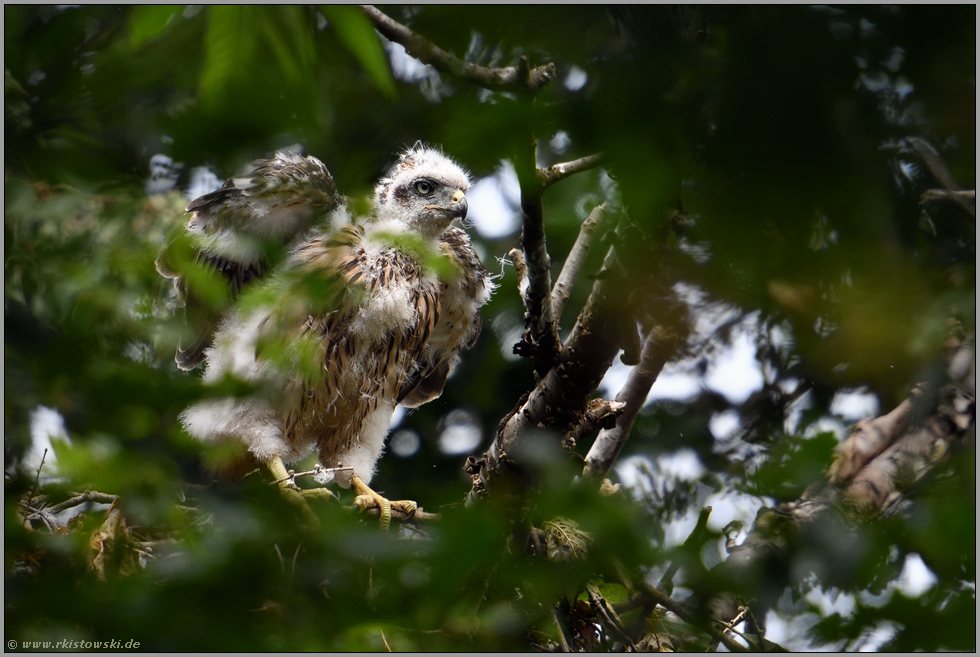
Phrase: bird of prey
[363,314]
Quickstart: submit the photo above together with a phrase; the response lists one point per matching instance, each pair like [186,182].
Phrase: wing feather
[454,325]
[242,230]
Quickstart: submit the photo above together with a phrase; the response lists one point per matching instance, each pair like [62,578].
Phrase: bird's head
[425,190]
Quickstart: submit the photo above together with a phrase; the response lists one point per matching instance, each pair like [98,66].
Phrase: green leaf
[613,593]
[357,33]
[231,45]
[147,21]
[291,43]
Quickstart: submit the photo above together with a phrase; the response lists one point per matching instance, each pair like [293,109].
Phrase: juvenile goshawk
[362,314]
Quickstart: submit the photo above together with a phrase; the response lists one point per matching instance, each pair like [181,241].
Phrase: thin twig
[557,172]
[510,78]
[575,260]
[691,616]
[936,194]
[561,633]
[37,477]
[609,614]
[942,173]
[384,640]
[739,617]
[87,496]
[291,476]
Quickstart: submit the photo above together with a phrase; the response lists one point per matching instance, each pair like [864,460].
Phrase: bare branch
[87,496]
[956,195]
[398,512]
[945,177]
[863,480]
[661,344]
[561,632]
[317,472]
[576,259]
[869,439]
[510,78]
[601,414]
[555,173]
[691,616]
[562,395]
[37,477]
[600,605]
[540,339]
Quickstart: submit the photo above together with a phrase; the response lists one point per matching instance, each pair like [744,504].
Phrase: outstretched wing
[243,229]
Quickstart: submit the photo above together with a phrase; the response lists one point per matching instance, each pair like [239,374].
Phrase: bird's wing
[425,386]
[241,230]
[278,198]
[459,325]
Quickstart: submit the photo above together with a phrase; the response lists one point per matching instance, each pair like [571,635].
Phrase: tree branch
[691,616]
[87,496]
[869,439]
[540,339]
[562,396]
[576,259]
[661,344]
[601,414]
[557,172]
[945,177]
[511,78]
[863,478]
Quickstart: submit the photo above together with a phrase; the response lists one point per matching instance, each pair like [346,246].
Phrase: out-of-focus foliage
[785,137]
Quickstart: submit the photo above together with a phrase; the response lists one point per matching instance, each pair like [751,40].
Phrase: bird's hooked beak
[457,206]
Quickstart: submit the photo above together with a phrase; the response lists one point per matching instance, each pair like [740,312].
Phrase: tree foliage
[792,181]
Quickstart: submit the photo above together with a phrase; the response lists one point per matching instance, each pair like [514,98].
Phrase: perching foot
[367,499]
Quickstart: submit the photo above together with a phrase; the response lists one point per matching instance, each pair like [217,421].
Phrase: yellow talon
[365,493]
[367,498]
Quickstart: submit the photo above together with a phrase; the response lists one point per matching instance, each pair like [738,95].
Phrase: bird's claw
[368,499]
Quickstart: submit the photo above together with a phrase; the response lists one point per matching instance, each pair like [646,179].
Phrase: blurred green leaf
[358,34]
[147,21]
[764,157]
[232,42]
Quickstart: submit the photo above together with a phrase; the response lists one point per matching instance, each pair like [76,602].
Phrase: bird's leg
[365,497]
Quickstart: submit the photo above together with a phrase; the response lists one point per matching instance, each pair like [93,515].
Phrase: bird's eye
[424,187]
